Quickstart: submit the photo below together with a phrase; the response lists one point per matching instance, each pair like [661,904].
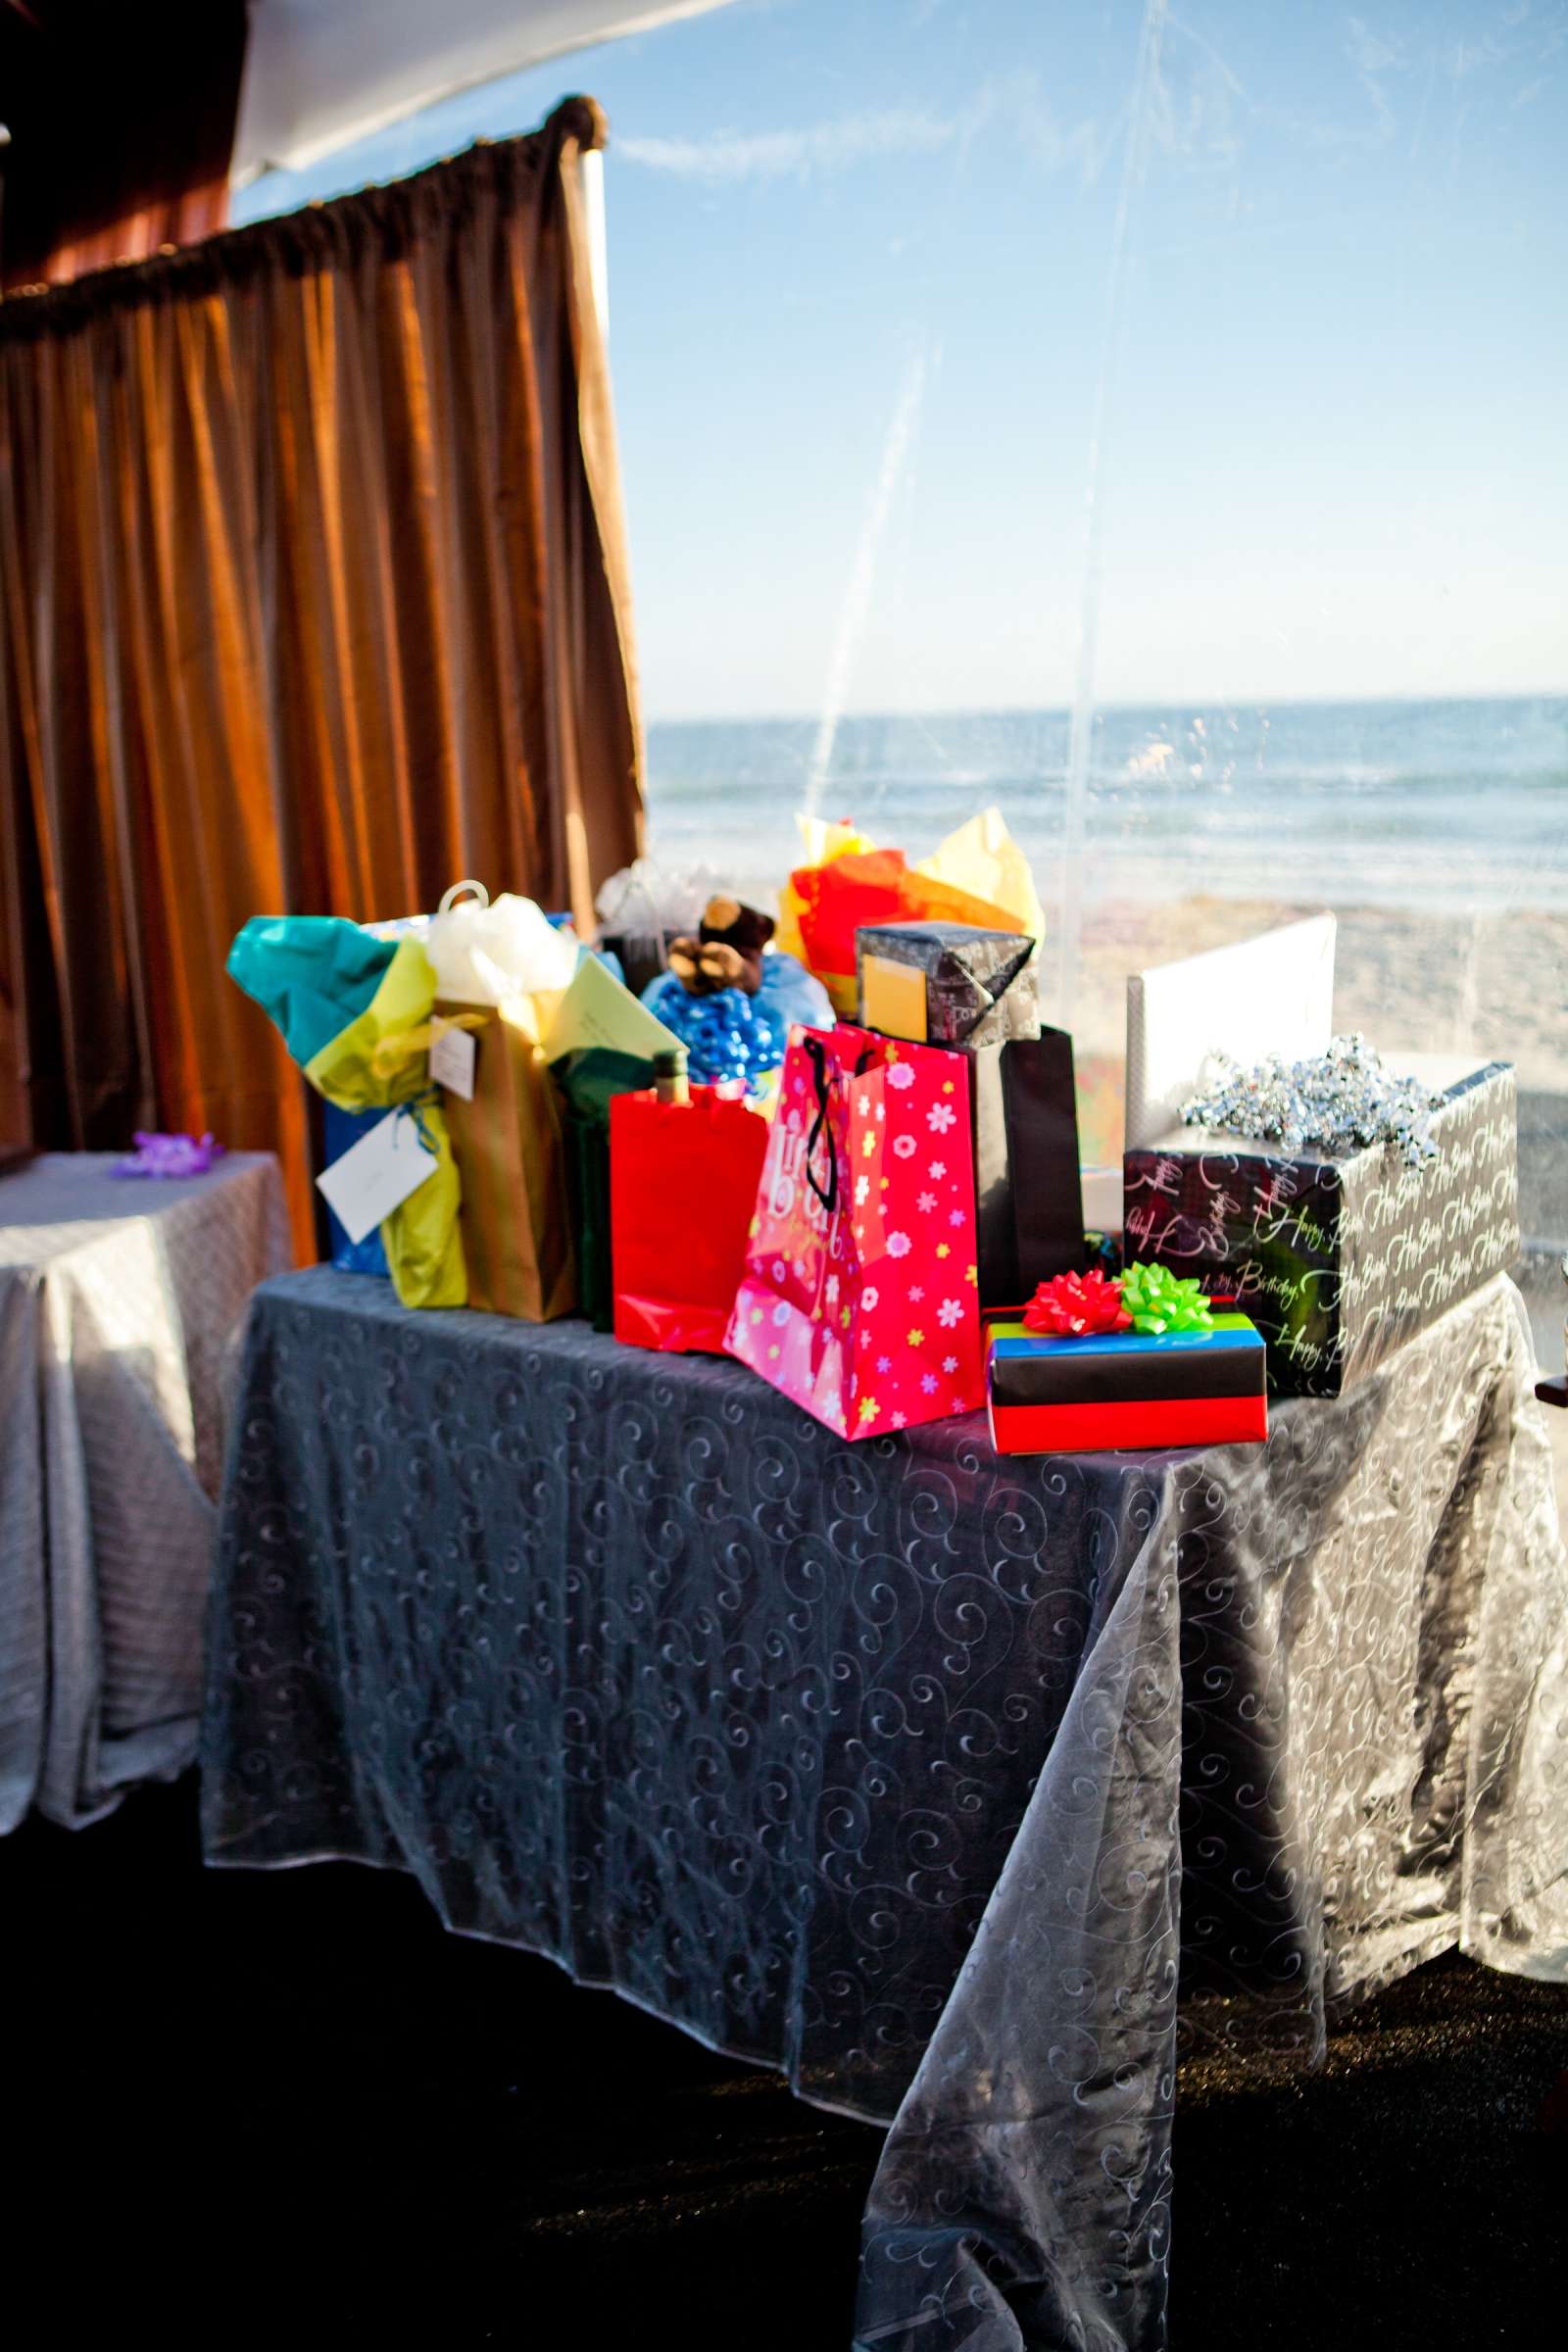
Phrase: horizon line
[1197,703]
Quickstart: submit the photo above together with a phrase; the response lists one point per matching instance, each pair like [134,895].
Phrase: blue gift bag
[340,1130]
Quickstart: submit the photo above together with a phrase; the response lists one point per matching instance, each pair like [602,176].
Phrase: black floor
[287,2106]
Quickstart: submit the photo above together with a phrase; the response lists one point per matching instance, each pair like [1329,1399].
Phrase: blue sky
[867,326]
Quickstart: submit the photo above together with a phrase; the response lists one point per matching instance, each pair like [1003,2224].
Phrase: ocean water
[1459,807]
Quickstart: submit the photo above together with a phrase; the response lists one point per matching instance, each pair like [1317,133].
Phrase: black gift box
[1125,1367]
[1337,1261]
[945,984]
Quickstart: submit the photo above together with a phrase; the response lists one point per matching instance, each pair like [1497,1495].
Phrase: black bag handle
[828,1195]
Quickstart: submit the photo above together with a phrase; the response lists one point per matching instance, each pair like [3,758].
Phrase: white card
[1269,995]
[376,1175]
[453,1053]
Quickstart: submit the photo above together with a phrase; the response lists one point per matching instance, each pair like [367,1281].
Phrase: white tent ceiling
[321,72]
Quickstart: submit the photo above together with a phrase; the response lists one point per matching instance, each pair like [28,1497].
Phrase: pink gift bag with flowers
[859,1299]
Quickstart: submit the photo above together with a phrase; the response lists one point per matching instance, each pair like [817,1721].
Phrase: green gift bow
[1160,1300]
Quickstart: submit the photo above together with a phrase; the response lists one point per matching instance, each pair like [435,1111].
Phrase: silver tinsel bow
[1338,1102]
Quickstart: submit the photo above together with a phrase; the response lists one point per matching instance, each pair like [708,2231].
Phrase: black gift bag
[1028,1193]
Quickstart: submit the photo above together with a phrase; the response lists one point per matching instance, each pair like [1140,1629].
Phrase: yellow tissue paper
[381,1060]
[983,859]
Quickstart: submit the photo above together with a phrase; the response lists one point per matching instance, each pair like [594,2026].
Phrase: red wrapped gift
[683,1180]
[1103,1390]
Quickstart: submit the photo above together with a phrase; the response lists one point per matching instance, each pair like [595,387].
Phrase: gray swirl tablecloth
[116,1300]
[929,1777]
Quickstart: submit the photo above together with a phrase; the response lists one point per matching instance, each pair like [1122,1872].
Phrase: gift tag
[893,998]
[453,1054]
[377,1175]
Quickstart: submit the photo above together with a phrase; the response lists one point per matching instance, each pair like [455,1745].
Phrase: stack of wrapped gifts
[841,1145]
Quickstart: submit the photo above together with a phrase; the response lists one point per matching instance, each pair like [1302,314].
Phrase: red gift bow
[1071,1307]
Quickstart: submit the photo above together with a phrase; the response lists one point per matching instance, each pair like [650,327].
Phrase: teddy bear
[726,951]
[729,995]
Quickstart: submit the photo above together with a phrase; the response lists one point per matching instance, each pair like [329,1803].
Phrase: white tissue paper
[483,955]
[647,898]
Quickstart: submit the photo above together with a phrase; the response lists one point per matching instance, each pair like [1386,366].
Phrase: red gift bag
[683,1181]
[859,1298]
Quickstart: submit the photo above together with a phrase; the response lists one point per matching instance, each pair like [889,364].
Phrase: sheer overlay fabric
[946,1783]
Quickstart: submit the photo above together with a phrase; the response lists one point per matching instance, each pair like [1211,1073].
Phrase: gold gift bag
[511,1157]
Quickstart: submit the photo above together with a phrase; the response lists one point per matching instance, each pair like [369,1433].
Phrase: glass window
[1149,423]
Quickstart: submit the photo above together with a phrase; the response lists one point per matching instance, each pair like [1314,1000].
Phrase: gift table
[923,1775]
[116,1300]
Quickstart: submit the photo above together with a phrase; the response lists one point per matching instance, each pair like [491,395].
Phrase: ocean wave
[1466,804]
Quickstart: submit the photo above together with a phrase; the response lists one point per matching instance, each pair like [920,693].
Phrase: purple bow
[168,1156]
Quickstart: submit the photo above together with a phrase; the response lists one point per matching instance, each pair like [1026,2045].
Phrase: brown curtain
[122,122]
[314,599]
